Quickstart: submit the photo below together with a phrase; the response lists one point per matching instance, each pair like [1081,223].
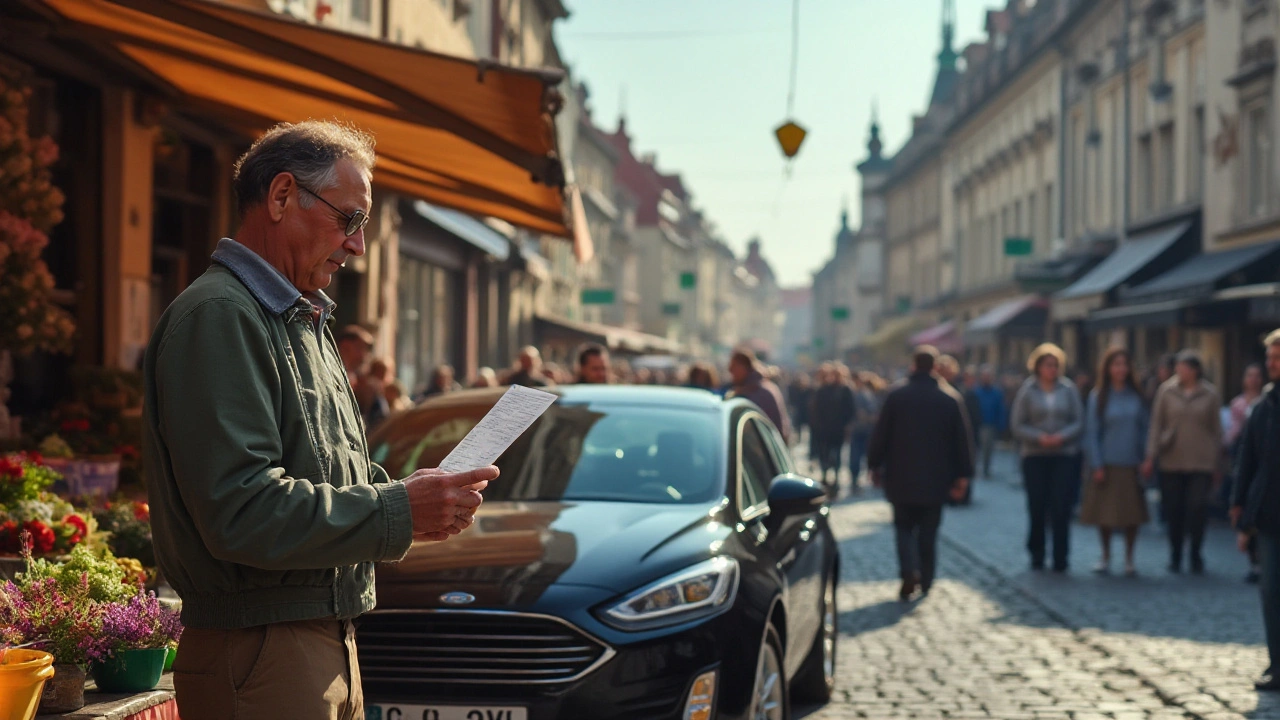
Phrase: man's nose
[355,243]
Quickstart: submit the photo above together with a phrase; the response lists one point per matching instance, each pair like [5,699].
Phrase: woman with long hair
[1047,419]
[1185,443]
[1115,436]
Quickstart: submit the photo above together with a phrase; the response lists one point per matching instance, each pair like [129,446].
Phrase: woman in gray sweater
[1115,440]
[1047,420]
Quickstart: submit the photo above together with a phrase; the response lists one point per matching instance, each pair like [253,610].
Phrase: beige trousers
[306,670]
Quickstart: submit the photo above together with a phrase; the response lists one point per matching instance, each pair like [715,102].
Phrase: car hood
[516,550]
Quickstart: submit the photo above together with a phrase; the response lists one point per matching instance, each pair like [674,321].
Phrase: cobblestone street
[995,640]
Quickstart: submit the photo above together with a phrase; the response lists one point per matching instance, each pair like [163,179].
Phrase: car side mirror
[794,495]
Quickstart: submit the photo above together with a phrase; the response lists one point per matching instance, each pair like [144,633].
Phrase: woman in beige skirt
[1116,422]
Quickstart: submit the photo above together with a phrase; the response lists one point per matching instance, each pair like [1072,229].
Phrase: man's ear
[280,194]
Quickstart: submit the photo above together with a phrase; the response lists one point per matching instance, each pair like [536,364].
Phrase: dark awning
[942,336]
[471,135]
[1202,275]
[615,338]
[1130,259]
[1187,312]
[1020,317]
[466,228]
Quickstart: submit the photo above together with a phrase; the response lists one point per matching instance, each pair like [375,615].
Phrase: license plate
[444,712]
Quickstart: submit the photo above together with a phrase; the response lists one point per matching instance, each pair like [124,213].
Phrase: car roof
[650,395]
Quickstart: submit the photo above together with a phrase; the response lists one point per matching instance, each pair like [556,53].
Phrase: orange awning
[469,135]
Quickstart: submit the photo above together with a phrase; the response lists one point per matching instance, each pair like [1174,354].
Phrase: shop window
[1145,177]
[1257,159]
[362,10]
[1168,170]
[184,172]
[1195,156]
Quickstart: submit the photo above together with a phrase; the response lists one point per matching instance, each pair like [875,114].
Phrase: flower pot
[130,671]
[22,676]
[98,475]
[65,692]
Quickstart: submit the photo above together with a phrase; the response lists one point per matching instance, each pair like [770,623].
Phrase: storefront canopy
[466,228]
[478,137]
[1204,274]
[942,336]
[1134,257]
[1020,317]
[891,336]
[616,339]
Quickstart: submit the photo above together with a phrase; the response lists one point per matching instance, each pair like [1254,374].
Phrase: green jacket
[264,505]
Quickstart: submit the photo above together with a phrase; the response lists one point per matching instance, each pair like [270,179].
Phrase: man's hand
[1051,441]
[1235,513]
[959,488]
[444,503]
[1242,542]
[1148,467]
[1099,475]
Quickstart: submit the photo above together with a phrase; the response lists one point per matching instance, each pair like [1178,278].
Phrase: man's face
[354,354]
[595,369]
[738,370]
[1273,363]
[528,361]
[988,378]
[315,239]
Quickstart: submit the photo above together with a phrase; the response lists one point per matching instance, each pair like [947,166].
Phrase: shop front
[1005,335]
[1145,255]
[944,336]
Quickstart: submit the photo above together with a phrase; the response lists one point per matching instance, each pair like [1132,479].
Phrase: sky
[703,84]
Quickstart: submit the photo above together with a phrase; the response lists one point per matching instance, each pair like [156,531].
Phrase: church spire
[874,146]
[947,56]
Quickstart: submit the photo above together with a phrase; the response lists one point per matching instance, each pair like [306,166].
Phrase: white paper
[515,411]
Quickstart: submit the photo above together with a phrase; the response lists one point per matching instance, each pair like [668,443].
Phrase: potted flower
[54,525]
[63,606]
[130,526]
[83,453]
[136,635]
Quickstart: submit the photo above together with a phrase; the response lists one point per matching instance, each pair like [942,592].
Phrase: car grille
[475,647]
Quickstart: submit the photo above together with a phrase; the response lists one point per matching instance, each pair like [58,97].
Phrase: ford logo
[457,598]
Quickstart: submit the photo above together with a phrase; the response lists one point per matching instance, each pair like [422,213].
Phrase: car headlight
[696,592]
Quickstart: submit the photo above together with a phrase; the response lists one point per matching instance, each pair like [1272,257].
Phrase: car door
[759,467]
[801,561]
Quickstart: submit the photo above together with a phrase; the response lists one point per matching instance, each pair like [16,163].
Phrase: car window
[781,453]
[758,468]
[577,452]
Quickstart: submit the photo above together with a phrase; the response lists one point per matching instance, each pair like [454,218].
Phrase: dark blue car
[647,553]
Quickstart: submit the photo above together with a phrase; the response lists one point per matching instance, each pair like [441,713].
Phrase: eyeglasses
[355,221]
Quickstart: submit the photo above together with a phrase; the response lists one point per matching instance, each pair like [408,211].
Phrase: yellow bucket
[22,677]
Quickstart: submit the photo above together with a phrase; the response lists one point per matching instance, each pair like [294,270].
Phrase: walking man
[1255,504]
[267,512]
[995,416]
[922,455]
[749,382]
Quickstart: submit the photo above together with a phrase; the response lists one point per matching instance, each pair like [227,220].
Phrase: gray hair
[309,150]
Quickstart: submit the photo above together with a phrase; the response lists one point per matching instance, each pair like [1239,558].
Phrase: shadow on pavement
[869,618]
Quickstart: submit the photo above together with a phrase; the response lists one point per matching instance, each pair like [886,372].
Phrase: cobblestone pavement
[995,640]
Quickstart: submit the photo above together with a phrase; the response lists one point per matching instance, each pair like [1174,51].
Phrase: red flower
[35,458]
[42,537]
[128,453]
[10,538]
[78,522]
[10,468]
[142,512]
[75,425]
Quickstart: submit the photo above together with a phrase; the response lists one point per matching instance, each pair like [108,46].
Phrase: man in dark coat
[1255,504]
[922,455]
[749,382]
[832,411]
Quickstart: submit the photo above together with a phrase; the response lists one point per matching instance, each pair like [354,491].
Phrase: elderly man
[267,512]
[593,365]
[530,372]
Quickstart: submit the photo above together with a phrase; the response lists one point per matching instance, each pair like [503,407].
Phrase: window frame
[747,513]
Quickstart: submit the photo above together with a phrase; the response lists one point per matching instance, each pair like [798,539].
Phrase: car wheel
[769,700]
[816,680]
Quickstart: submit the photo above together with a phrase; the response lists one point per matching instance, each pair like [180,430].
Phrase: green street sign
[819,342]
[904,303]
[688,281]
[670,309]
[839,313]
[1015,246]
[597,296]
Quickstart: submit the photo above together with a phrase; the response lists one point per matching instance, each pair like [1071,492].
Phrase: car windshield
[576,452]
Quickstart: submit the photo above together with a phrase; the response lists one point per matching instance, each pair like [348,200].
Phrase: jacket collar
[268,285]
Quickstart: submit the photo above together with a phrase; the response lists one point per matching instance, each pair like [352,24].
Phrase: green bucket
[169,658]
[130,671]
